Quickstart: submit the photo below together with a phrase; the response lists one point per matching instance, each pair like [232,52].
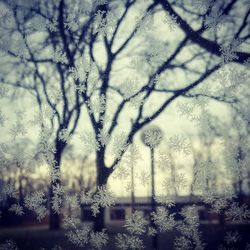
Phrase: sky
[170,121]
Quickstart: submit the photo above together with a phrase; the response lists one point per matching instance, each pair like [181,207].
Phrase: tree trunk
[99,221]
[101,179]
[54,218]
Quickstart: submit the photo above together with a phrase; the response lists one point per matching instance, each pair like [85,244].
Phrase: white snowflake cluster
[163,220]
[102,198]
[136,225]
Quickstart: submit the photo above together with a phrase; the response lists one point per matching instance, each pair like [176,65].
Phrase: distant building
[116,215]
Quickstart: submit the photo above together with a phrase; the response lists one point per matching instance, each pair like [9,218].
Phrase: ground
[33,238]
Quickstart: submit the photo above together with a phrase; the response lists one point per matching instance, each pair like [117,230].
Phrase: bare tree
[76,62]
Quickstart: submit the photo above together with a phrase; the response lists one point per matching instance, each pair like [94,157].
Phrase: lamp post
[132,183]
[152,137]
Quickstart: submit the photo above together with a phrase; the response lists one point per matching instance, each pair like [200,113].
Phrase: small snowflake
[80,88]
[101,198]
[180,144]
[64,135]
[151,231]
[3,92]
[144,178]
[182,243]
[18,129]
[136,101]
[232,237]
[215,19]
[126,242]
[97,106]
[129,88]
[52,25]
[103,138]
[104,22]
[8,245]
[55,174]
[90,142]
[72,22]
[38,23]
[167,201]
[171,21]
[72,202]
[17,209]
[78,72]
[87,198]
[237,212]
[3,119]
[36,202]
[190,215]
[144,22]
[56,201]
[202,5]
[78,236]
[163,161]
[129,186]
[100,2]
[120,145]
[60,56]
[10,190]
